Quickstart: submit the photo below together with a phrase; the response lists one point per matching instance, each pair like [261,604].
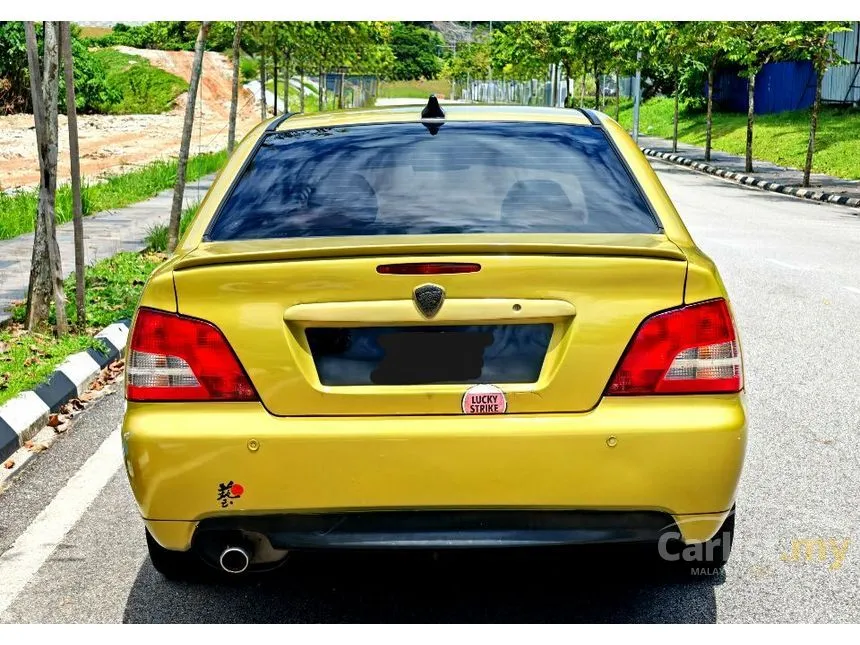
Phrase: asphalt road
[792,268]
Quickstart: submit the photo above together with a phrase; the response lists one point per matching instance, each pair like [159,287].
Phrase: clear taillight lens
[690,350]
[176,358]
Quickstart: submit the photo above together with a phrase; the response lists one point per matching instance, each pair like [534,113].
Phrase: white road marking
[854,289]
[33,547]
[786,265]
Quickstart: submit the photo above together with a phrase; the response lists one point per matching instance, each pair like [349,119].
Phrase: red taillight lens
[689,350]
[175,358]
[428,268]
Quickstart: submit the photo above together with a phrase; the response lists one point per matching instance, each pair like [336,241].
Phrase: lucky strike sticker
[484,399]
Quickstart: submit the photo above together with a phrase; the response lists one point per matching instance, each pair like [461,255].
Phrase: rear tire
[173,565]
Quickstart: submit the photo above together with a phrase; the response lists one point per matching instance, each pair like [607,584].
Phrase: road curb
[748,180]
[27,413]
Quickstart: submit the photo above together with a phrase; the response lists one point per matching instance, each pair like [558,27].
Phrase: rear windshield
[412,179]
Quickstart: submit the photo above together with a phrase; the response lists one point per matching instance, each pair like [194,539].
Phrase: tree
[45,270]
[811,41]
[708,43]
[188,123]
[234,90]
[75,166]
[521,50]
[416,52]
[591,43]
[752,44]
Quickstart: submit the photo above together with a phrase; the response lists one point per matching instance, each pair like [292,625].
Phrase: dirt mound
[117,143]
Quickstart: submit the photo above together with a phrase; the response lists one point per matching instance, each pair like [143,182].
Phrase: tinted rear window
[401,179]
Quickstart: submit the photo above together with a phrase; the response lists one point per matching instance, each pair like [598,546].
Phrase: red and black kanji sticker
[229,491]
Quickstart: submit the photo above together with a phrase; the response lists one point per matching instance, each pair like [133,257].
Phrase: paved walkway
[104,233]
[761,169]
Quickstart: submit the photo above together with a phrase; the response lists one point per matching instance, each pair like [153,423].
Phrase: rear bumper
[441,529]
[676,456]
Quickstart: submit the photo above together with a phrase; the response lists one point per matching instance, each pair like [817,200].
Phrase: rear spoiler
[622,245]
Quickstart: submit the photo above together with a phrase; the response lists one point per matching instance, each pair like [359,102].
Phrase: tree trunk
[748,164]
[45,270]
[813,126]
[321,94]
[582,89]
[567,86]
[710,115]
[596,88]
[287,78]
[234,90]
[264,109]
[617,95]
[75,164]
[302,90]
[187,125]
[675,115]
[275,80]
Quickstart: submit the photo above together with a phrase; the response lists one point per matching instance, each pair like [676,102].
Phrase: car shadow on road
[506,586]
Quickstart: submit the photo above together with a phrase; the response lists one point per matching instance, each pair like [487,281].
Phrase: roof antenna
[432,109]
[432,116]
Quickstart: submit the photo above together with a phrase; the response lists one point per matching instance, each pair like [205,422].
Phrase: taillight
[176,358]
[689,350]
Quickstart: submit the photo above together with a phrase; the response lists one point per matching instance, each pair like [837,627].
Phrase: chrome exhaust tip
[234,559]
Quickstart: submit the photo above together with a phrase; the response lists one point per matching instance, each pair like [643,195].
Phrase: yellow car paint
[677,454]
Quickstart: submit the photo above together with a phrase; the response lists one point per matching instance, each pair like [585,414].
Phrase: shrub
[249,68]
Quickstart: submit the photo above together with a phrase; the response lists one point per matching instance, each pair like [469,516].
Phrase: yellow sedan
[434,328]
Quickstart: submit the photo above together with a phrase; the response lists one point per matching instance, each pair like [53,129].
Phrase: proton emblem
[428,298]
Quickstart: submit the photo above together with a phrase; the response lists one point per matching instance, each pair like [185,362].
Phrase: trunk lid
[321,332]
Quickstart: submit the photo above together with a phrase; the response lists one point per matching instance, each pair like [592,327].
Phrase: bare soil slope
[117,143]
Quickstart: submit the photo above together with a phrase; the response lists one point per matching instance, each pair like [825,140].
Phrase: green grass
[414,89]
[113,288]
[145,89]
[778,138]
[311,100]
[156,236]
[18,211]
[27,359]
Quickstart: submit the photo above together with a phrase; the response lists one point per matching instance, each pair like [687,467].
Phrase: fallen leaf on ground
[9,463]
[54,420]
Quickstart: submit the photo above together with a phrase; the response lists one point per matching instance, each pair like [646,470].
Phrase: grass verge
[156,236]
[145,89]
[420,89]
[113,288]
[778,138]
[18,211]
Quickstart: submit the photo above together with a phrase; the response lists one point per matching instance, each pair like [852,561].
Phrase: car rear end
[485,329]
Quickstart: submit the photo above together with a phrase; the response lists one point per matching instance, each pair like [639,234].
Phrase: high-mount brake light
[428,268]
[689,350]
[176,358]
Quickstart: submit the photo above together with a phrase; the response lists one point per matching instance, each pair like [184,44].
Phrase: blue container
[779,87]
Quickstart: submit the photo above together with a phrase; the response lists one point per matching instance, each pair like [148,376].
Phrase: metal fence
[533,92]
[842,84]
[538,92]
[358,90]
